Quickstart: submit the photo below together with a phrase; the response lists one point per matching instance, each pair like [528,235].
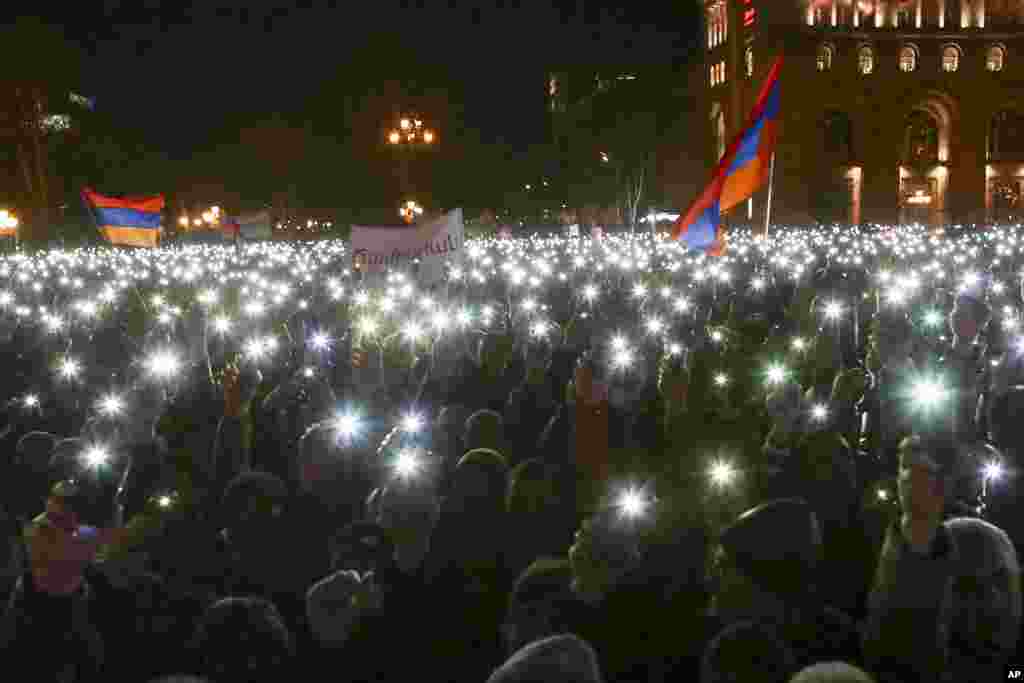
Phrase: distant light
[320,341]
[163,364]
[833,309]
[722,473]
[929,393]
[70,368]
[632,503]
[348,425]
[799,344]
[407,464]
[819,412]
[412,423]
[31,401]
[776,374]
[111,404]
[721,379]
[96,456]
[993,471]
[932,318]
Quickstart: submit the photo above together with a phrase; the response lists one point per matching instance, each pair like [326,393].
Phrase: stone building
[892,110]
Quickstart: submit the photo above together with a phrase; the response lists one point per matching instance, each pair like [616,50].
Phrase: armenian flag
[128,221]
[741,172]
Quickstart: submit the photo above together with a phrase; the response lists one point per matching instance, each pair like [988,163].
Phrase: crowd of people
[572,460]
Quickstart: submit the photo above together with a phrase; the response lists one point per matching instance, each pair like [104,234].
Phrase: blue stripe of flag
[701,234]
[127,218]
[747,150]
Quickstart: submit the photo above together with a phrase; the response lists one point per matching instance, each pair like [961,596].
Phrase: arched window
[950,58]
[1006,136]
[908,58]
[995,58]
[718,131]
[866,60]
[825,58]
[837,137]
[921,138]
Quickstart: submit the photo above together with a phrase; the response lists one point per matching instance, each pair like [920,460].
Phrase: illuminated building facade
[892,110]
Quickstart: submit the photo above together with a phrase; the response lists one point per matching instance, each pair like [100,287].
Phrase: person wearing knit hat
[986,615]
[832,672]
[562,658]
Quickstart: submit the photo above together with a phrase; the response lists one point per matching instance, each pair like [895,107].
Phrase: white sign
[375,250]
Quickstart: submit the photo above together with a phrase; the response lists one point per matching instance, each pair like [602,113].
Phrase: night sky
[261,102]
[188,74]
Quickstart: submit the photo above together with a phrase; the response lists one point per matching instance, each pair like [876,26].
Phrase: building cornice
[834,32]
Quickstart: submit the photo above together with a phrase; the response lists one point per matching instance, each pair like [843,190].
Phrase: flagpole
[771,192]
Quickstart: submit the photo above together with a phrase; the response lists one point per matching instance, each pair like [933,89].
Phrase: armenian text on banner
[376,249]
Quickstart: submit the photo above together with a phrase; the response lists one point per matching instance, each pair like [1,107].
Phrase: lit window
[950,59]
[866,61]
[996,57]
[750,61]
[825,58]
[908,59]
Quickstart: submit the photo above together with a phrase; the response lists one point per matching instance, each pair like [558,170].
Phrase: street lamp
[410,210]
[8,221]
[412,132]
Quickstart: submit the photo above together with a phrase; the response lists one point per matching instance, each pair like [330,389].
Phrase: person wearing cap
[765,570]
[910,606]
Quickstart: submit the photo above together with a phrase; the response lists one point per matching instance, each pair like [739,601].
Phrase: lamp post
[409,210]
[410,134]
[8,225]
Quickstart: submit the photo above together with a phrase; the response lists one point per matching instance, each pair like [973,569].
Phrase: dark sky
[186,74]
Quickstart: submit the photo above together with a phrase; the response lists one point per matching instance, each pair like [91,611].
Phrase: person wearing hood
[765,570]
